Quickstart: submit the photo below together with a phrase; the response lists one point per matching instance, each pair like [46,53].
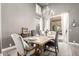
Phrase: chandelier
[47,12]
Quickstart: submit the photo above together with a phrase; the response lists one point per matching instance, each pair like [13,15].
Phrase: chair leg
[18,54]
[57,48]
[56,53]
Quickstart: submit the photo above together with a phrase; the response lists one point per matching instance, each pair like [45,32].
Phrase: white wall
[14,17]
[65,26]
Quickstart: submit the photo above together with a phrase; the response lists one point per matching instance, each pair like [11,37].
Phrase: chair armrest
[52,40]
[29,49]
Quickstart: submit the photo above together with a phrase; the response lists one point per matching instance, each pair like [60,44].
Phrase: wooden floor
[64,50]
[67,50]
[0,54]
[75,50]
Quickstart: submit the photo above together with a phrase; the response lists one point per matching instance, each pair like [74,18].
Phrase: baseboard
[9,48]
[77,44]
[1,54]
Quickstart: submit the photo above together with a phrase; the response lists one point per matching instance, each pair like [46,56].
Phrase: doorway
[55,23]
[61,22]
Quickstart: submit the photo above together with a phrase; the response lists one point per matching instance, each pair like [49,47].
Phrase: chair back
[34,33]
[56,38]
[51,33]
[18,43]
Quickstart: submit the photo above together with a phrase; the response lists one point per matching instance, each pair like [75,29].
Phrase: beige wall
[0,30]
[73,10]
[14,17]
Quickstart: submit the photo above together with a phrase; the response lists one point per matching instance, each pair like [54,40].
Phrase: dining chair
[53,43]
[23,48]
[35,33]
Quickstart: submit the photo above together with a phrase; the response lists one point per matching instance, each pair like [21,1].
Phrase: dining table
[39,40]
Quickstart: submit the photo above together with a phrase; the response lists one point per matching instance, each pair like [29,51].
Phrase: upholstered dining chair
[23,49]
[53,44]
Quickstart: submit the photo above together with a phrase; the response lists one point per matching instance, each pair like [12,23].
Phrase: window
[38,9]
[38,18]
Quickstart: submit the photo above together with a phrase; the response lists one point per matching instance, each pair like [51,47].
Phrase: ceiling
[43,4]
